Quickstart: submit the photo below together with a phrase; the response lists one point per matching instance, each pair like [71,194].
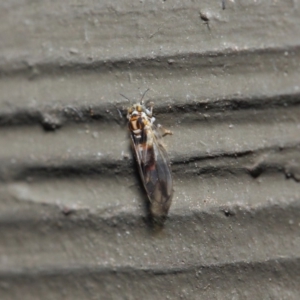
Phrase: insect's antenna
[144,95]
[126,98]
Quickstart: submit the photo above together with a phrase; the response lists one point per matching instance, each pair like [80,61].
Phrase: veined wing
[155,170]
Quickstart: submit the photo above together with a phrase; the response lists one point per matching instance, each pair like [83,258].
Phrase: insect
[152,158]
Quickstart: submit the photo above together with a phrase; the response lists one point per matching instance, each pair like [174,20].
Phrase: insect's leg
[152,120]
[149,109]
[164,131]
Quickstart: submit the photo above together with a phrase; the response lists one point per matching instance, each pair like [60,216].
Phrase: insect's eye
[139,108]
[130,110]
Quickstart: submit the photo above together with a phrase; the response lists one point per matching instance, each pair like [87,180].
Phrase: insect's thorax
[138,124]
[139,120]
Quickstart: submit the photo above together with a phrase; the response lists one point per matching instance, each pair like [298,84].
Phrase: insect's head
[136,110]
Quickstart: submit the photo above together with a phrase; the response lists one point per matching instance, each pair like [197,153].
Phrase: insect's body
[152,159]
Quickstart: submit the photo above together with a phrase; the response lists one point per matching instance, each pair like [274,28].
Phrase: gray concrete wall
[224,78]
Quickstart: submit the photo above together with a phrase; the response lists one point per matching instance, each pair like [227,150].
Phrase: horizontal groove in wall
[276,279]
[227,59]
[216,236]
[220,108]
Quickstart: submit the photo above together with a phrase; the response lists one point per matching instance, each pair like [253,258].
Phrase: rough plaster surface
[73,213]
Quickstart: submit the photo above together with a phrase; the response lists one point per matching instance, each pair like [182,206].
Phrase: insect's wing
[161,184]
[155,171]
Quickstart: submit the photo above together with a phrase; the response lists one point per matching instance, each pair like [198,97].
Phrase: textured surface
[73,217]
